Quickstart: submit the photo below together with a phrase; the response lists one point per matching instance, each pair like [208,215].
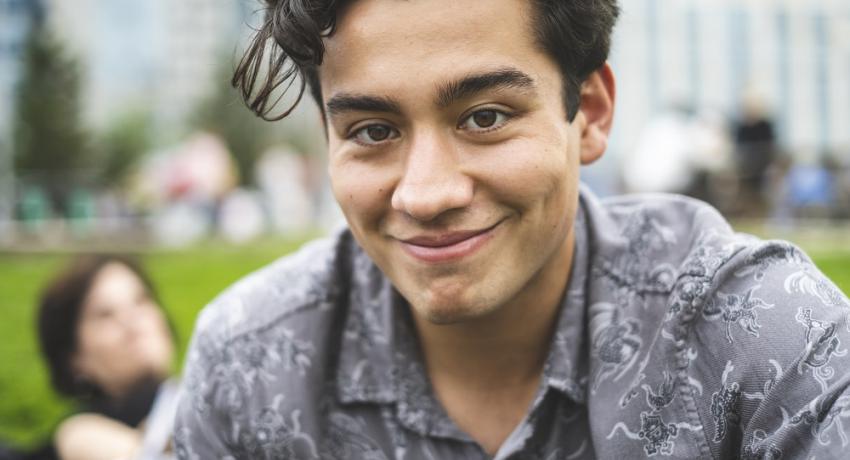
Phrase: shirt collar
[566,367]
[365,369]
[380,360]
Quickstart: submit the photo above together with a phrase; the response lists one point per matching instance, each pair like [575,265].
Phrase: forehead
[401,46]
[113,280]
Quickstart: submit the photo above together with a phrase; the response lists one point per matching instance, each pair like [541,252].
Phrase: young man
[481,304]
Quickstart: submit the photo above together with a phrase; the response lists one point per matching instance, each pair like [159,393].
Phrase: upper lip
[446,238]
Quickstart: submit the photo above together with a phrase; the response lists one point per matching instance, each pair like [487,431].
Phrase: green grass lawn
[186,280]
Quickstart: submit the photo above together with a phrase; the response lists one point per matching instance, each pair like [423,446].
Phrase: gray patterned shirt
[676,338]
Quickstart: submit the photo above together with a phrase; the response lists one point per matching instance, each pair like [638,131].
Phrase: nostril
[427,201]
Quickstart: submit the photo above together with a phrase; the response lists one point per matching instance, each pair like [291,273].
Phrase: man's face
[450,152]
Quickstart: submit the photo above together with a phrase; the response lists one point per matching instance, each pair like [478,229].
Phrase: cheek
[156,325]
[363,191]
[531,173]
[99,339]
[99,351]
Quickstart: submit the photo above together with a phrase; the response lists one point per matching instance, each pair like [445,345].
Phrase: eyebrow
[447,94]
[470,85]
[346,102]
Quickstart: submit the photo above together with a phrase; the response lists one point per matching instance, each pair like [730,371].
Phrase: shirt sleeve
[202,420]
[775,332]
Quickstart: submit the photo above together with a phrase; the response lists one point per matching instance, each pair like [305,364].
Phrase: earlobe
[597,108]
[594,142]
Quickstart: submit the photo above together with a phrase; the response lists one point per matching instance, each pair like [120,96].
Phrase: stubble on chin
[449,306]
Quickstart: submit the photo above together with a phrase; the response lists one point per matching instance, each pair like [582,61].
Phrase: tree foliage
[48,134]
[121,147]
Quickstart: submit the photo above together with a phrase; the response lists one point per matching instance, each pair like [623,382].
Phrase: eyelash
[362,130]
[496,125]
[353,136]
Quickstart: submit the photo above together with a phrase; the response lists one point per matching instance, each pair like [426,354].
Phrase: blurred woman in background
[109,346]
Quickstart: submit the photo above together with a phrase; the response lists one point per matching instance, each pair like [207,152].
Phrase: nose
[433,181]
[132,321]
[129,322]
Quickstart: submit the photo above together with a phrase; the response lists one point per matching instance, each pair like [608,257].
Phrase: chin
[450,310]
[444,317]
[156,362]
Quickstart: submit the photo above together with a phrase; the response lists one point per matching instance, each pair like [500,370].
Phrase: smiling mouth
[447,247]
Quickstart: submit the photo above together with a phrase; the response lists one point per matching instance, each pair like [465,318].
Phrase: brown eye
[485,118]
[374,134]
[378,133]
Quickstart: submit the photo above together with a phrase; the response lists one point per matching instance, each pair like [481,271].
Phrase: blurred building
[16,19]
[153,55]
[163,56]
[156,58]
[708,54]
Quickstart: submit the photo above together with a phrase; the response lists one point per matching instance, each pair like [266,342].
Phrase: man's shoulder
[762,333]
[678,216]
[681,250]
[292,290]
[756,290]
[644,243]
[748,334]
[263,348]
[691,236]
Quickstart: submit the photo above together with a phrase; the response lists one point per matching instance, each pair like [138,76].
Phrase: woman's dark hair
[576,33]
[59,314]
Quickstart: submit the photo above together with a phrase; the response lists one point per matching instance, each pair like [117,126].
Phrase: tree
[121,146]
[48,131]
[50,143]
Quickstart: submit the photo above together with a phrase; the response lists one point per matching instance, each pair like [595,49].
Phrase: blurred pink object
[201,168]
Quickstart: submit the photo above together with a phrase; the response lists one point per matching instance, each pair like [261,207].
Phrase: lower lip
[451,252]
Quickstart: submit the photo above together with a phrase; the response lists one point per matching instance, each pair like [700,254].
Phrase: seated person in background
[109,346]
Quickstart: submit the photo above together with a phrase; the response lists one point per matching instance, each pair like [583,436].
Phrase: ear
[597,111]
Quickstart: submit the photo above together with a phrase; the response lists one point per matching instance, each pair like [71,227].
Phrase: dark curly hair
[59,315]
[576,33]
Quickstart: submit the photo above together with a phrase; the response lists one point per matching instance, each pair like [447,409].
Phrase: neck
[506,349]
[129,406]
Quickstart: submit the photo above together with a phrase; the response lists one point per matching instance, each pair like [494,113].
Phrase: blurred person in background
[681,150]
[809,187]
[109,346]
[755,153]
[841,170]
[662,161]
